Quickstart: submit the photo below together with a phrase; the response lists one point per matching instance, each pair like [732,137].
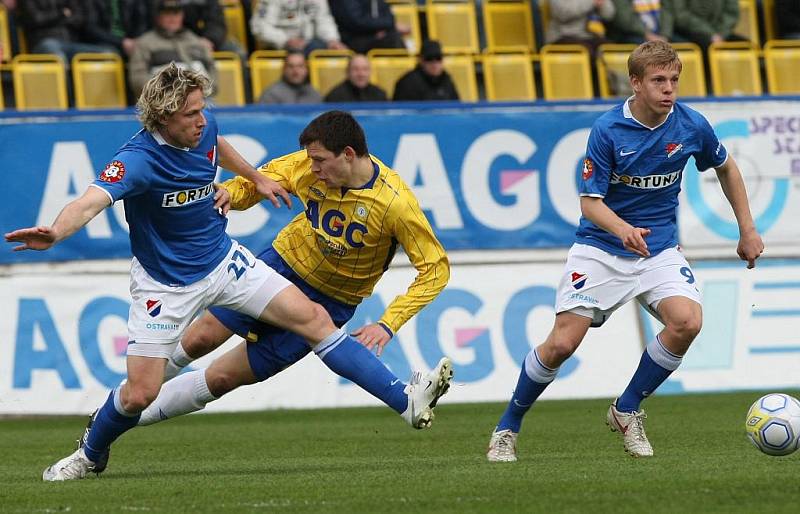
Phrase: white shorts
[159,314]
[596,283]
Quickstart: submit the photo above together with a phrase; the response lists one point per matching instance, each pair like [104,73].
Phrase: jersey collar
[160,140]
[626,111]
[370,183]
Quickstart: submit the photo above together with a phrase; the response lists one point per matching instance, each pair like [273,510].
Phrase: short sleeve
[598,164]
[125,176]
[712,153]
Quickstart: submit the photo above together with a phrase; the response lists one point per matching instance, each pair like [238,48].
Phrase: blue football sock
[108,425]
[350,359]
[534,377]
[657,363]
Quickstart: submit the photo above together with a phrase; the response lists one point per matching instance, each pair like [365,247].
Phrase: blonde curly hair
[166,93]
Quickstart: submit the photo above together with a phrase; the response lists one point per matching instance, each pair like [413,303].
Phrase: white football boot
[424,390]
[502,446]
[631,426]
[72,467]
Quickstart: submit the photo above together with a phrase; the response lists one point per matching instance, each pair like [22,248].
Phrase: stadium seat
[408,13]
[566,72]
[5,36]
[508,24]
[462,70]
[266,68]
[612,58]
[782,60]
[230,84]
[39,82]
[544,14]
[735,69]
[693,75]
[748,21]
[388,65]
[770,23]
[454,25]
[327,68]
[235,22]
[99,80]
[508,77]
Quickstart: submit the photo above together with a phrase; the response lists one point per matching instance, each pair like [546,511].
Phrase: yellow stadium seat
[693,75]
[408,13]
[508,24]
[770,23]
[327,68]
[782,60]
[735,69]
[266,68]
[566,72]
[39,82]
[748,21]
[235,22]
[230,84]
[99,80]
[544,14]
[612,58]
[508,77]
[462,70]
[454,25]
[5,35]
[388,65]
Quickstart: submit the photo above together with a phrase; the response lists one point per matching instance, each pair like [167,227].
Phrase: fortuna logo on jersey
[113,172]
[153,307]
[646,181]
[673,148]
[187,196]
[579,279]
[588,168]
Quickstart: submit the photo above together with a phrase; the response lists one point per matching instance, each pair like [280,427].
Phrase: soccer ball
[773,424]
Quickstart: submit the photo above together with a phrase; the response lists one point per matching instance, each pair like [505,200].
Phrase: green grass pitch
[368,460]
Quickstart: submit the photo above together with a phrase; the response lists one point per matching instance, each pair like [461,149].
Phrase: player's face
[184,128]
[332,169]
[658,89]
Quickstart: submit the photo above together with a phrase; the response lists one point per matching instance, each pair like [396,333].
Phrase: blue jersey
[637,171]
[176,234]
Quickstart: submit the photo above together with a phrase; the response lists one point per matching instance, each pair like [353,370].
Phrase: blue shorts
[275,349]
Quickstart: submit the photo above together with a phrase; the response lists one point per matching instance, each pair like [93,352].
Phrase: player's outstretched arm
[232,160]
[74,216]
[750,245]
[596,211]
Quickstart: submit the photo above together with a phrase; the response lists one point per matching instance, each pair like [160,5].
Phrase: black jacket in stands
[348,92]
[135,19]
[417,85]
[205,18]
[43,19]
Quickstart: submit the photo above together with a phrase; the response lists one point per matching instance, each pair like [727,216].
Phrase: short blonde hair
[166,93]
[658,54]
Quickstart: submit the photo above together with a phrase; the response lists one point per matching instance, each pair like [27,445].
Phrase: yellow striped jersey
[344,241]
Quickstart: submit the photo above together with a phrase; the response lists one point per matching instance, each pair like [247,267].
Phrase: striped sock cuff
[663,357]
[537,371]
[329,343]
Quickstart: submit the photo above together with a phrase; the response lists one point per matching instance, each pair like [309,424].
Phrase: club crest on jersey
[187,196]
[113,172]
[153,307]
[579,279]
[588,168]
[673,148]
[212,154]
[361,211]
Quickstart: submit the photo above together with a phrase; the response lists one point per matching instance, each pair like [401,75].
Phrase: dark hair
[335,130]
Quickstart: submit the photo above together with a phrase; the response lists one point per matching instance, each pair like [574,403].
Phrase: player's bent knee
[688,328]
[221,383]
[138,400]
[562,348]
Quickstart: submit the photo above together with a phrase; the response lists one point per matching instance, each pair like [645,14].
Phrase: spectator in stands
[117,23]
[303,25]
[429,80]
[707,21]
[206,19]
[636,21]
[168,42]
[580,22]
[356,88]
[293,87]
[368,24]
[787,15]
[57,27]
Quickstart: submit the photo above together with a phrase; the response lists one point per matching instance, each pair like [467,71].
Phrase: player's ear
[349,153]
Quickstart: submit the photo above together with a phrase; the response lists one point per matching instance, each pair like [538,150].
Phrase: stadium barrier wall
[493,183]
